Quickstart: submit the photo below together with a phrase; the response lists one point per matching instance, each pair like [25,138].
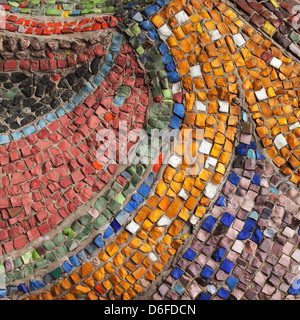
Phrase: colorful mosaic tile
[154,156]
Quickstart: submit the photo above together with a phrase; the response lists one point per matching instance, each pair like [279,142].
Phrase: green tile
[58,240]
[49,245]
[61,251]
[27,270]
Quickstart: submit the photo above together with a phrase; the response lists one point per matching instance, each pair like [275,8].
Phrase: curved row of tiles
[166,112]
[247,247]
[157,232]
[208,189]
[28,183]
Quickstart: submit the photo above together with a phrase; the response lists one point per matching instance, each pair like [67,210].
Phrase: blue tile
[36,284]
[252,145]
[137,198]
[257,236]
[190,254]
[148,11]
[227,219]
[173,77]
[117,38]
[162,3]
[130,5]
[144,190]
[167,58]
[17,135]
[234,179]
[295,287]
[179,110]
[104,69]
[82,255]
[122,216]
[115,225]
[4,139]
[109,60]
[90,248]
[50,117]
[241,149]
[150,179]
[125,174]
[259,156]
[256,179]
[136,16]
[219,254]
[146,26]
[3,293]
[87,89]
[249,225]
[115,48]
[75,13]
[28,130]
[74,260]
[108,233]
[40,124]
[227,266]
[98,241]
[170,67]
[152,34]
[178,288]
[131,205]
[223,293]
[209,223]
[97,79]
[77,98]
[163,49]
[231,282]
[67,266]
[177,273]
[118,101]
[21,287]
[243,235]
[204,296]
[251,154]
[207,272]
[60,112]
[175,122]
[69,107]
[221,201]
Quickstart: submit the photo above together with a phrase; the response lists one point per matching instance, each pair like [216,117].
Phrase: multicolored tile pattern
[214,216]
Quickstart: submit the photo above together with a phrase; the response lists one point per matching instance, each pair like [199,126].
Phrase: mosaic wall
[215,216]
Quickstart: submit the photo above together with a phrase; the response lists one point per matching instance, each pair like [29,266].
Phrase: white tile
[183,194]
[276,63]
[164,31]
[238,39]
[205,147]
[176,87]
[261,94]
[223,106]
[181,17]
[210,161]
[132,227]
[152,256]
[214,35]
[164,221]
[210,190]
[195,71]
[200,106]
[174,161]
[280,141]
